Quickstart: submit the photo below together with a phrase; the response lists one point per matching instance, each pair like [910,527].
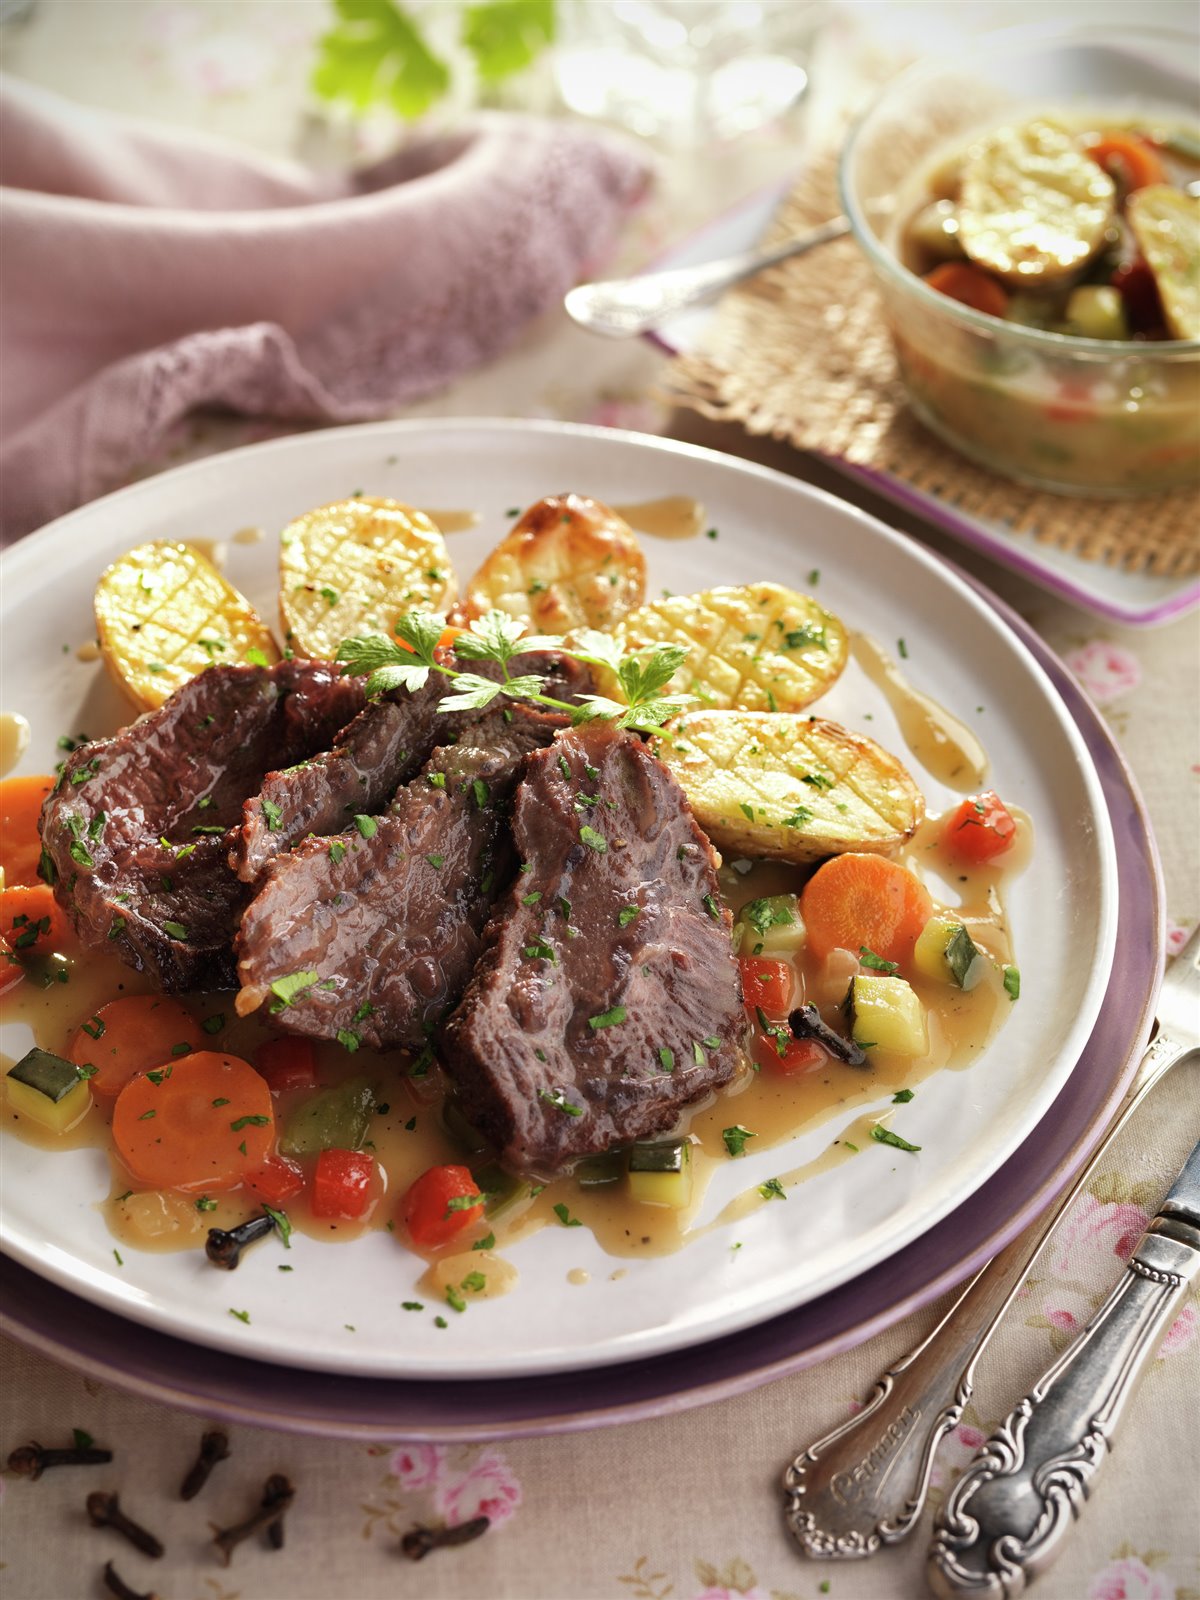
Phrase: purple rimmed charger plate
[156,1366]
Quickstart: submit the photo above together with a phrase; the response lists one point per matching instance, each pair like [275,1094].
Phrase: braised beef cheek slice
[375,936]
[384,747]
[607,997]
[137,833]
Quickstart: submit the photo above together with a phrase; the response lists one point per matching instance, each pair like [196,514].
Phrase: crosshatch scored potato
[569,562]
[164,613]
[759,647]
[794,788]
[355,567]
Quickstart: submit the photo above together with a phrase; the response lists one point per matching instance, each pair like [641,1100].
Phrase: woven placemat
[801,353]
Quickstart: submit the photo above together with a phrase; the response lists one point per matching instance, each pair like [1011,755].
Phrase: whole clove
[224,1246]
[417,1544]
[104,1511]
[214,1447]
[277,1496]
[31,1460]
[805,1023]
[115,1584]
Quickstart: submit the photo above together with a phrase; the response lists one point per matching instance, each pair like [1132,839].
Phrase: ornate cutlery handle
[1008,1514]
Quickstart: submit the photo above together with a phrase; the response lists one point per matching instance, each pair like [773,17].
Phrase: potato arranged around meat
[759,647]
[164,613]
[569,562]
[793,788]
[354,567]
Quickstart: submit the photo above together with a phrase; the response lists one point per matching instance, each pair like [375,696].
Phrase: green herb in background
[377,54]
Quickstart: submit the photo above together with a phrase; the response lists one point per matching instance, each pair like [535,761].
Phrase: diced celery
[946,953]
[48,1090]
[596,1171]
[771,926]
[1097,311]
[336,1119]
[885,1014]
[661,1174]
[507,1196]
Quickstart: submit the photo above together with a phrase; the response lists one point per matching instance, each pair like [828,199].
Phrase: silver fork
[864,1484]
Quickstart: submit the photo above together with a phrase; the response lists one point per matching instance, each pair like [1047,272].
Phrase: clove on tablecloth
[277,1496]
[417,1544]
[214,1447]
[116,1585]
[104,1511]
[32,1459]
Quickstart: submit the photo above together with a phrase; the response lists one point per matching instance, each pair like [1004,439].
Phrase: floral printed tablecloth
[685,1507]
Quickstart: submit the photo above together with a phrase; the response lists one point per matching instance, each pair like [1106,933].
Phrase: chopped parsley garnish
[903,649]
[95,1028]
[437,779]
[747,810]
[282,1226]
[876,963]
[146,1115]
[330,596]
[531,899]
[772,1190]
[903,1096]
[463,1202]
[221,1100]
[481,792]
[215,1023]
[798,818]
[608,1019]
[436,861]
[475,1281]
[454,1300]
[557,1099]
[205,1203]
[564,767]
[337,851]
[291,988]
[698,1055]
[272,812]
[710,905]
[593,840]
[763,915]
[175,929]
[242,1316]
[157,1076]
[817,780]
[666,1058]
[1012,982]
[115,928]
[488,1242]
[412,1305]
[810,633]
[347,1039]
[628,914]
[367,826]
[248,1122]
[565,1217]
[539,950]
[440,1322]
[735,1138]
[883,1135]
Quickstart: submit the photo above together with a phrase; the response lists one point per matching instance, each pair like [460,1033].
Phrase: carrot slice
[31,920]
[969,286]
[20,844]
[1133,162]
[204,1122]
[130,1035]
[858,900]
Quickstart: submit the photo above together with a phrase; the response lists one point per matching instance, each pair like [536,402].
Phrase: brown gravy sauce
[942,744]
[674,516]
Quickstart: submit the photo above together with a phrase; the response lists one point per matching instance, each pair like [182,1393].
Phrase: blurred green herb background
[377,53]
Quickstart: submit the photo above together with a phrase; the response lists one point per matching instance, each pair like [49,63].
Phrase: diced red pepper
[287,1064]
[799,1055]
[276,1181]
[437,1207]
[342,1183]
[767,984]
[981,829]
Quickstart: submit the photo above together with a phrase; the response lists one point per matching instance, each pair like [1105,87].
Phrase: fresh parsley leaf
[628,914]
[593,840]
[876,963]
[903,1096]
[367,826]
[565,1217]
[772,1190]
[608,1019]
[883,1135]
[557,1099]
[735,1138]
[375,53]
[1012,982]
[291,988]
[282,1226]
[272,812]
[505,36]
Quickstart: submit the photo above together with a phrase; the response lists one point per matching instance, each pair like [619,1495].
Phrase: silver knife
[1007,1516]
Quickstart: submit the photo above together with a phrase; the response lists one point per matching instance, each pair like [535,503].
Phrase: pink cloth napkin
[145,274]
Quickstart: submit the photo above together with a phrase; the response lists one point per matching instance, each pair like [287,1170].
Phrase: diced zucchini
[1097,311]
[596,1171]
[460,1130]
[49,1091]
[946,953]
[507,1196]
[885,1014]
[770,927]
[336,1119]
[660,1174]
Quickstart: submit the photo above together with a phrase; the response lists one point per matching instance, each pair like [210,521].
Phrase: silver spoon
[622,307]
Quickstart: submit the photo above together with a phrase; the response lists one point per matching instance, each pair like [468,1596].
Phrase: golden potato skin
[788,787]
[757,647]
[568,562]
[356,566]
[164,613]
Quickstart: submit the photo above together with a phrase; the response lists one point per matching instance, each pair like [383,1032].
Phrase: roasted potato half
[569,562]
[355,567]
[1166,225]
[794,788]
[164,613]
[759,647]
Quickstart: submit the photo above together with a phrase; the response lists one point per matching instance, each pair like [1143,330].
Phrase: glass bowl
[1074,415]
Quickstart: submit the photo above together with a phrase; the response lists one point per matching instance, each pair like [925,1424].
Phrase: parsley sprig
[497,637]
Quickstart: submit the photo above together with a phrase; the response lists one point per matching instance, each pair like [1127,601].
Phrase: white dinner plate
[840,1223]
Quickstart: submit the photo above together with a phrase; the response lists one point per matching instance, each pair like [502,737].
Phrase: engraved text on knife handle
[1008,1514]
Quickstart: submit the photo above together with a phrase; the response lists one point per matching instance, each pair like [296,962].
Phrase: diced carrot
[1132,161]
[768,984]
[438,1206]
[287,1064]
[130,1035]
[969,286]
[277,1181]
[860,900]
[203,1122]
[981,828]
[20,846]
[342,1183]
